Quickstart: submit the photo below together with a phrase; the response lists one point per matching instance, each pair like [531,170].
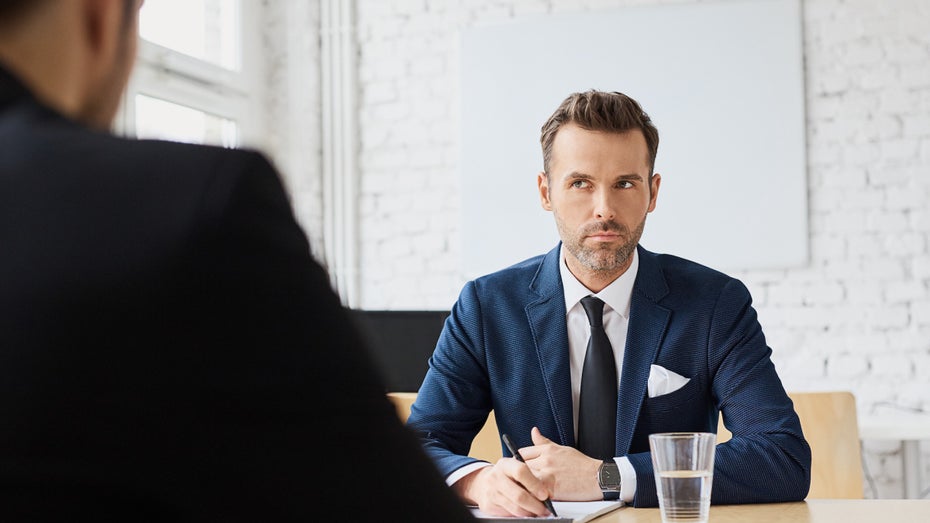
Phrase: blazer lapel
[546,316]
[647,325]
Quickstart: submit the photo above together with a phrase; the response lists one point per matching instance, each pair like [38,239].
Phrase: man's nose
[604,208]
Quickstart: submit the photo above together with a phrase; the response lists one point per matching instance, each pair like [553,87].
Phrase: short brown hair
[593,110]
[10,10]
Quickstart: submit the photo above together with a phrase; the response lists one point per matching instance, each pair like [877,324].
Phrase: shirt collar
[617,295]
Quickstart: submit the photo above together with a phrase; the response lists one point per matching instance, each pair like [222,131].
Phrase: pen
[516,453]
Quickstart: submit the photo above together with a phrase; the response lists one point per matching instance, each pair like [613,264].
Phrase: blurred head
[75,55]
[599,152]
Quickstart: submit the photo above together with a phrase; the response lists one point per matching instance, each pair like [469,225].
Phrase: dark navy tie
[597,412]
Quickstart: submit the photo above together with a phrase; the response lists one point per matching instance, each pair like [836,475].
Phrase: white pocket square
[663,381]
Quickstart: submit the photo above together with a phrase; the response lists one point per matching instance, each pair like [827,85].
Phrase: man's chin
[601,263]
[604,260]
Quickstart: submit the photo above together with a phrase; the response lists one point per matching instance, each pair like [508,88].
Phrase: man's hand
[507,488]
[574,474]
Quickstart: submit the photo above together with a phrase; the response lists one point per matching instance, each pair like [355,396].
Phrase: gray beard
[604,260]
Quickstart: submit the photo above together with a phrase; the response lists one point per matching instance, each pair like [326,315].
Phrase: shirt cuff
[627,479]
[468,469]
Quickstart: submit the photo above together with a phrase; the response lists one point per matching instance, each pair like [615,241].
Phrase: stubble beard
[603,258]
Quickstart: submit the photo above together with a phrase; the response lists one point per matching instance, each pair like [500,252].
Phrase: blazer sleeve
[454,400]
[768,459]
[293,398]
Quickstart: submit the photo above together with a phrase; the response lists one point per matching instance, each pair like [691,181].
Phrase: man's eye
[625,184]
[579,184]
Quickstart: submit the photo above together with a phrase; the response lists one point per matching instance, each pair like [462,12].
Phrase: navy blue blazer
[505,347]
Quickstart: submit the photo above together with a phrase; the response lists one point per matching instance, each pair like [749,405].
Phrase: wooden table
[810,511]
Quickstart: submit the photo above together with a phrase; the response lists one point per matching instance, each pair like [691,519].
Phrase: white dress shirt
[616,298]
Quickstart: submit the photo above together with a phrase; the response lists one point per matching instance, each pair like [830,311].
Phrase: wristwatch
[608,477]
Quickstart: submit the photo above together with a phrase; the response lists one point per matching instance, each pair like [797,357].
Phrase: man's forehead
[574,129]
[585,149]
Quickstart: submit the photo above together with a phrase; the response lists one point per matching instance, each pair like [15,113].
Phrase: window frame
[175,77]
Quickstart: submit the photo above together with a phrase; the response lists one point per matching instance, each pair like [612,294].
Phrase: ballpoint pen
[516,454]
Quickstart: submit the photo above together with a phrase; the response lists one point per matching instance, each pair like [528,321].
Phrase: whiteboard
[723,83]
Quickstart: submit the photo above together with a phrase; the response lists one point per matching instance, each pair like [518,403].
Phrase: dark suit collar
[547,282]
[648,322]
[546,316]
[649,280]
[11,88]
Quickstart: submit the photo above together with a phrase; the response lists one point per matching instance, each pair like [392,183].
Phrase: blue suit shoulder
[524,270]
[521,282]
[672,264]
[687,279]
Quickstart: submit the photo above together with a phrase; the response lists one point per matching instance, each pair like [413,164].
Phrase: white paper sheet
[569,511]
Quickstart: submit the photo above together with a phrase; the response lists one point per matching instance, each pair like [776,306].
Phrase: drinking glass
[683,463]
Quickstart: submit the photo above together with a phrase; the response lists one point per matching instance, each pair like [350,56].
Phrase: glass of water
[683,463]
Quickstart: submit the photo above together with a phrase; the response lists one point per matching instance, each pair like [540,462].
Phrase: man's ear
[102,24]
[542,182]
[654,183]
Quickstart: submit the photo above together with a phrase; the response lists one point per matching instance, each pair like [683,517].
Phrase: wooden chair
[487,444]
[828,420]
[830,426]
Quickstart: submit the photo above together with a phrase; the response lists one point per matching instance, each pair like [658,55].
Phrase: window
[195,78]
[204,29]
[156,118]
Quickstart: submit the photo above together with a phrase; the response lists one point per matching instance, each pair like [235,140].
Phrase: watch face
[609,476]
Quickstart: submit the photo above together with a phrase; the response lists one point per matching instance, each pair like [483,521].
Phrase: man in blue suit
[685,342]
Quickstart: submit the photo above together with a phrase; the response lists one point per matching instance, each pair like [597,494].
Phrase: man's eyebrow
[575,175]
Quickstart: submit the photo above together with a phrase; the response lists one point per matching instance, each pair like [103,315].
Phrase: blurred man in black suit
[169,350]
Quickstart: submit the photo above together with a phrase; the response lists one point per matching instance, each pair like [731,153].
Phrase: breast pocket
[681,398]
[684,410]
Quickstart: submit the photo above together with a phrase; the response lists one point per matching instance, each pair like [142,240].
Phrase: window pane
[204,29]
[156,118]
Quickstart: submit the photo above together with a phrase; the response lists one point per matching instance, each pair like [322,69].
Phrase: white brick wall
[856,317]
[291,41]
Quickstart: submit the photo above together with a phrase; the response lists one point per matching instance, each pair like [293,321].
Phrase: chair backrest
[487,444]
[828,420]
[830,426]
